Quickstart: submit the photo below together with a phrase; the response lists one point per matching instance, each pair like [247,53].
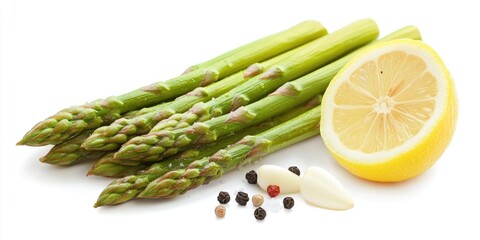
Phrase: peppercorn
[273,190]
[260,213]
[288,202]
[294,169]
[251,177]
[242,198]
[220,211]
[223,197]
[257,200]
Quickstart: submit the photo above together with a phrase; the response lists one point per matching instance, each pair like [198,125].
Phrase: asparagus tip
[98,204]
[91,171]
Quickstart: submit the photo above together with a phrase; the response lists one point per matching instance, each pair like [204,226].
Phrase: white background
[56,54]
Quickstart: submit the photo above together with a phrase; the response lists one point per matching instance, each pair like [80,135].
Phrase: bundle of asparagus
[242,105]
[154,146]
[66,130]
[280,70]
[71,121]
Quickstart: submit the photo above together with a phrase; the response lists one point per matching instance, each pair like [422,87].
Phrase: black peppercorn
[294,169]
[251,177]
[288,202]
[242,198]
[223,197]
[260,213]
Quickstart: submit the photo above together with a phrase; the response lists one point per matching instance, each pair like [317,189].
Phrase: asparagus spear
[70,152]
[122,190]
[111,137]
[73,120]
[157,145]
[107,166]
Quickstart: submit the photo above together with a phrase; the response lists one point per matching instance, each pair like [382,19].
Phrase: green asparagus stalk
[70,152]
[111,137]
[73,120]
[157,145]
[108,166]
[247,150]
[122,190]
[304,60]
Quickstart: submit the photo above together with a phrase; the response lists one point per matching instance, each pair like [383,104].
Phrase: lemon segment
[389,114]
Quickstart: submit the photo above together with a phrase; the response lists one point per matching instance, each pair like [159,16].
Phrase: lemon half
[390,113]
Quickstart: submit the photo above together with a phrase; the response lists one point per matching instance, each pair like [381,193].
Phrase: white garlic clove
[320,188]
[275,175]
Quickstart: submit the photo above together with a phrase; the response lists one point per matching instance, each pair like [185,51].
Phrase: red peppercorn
[273,190]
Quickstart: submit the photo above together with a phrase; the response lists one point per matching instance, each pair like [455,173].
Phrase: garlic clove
[320,188]
[275,175]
